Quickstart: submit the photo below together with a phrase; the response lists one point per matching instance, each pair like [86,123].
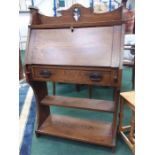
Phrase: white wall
[24,19]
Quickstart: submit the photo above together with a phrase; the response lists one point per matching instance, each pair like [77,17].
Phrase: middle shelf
[80,103]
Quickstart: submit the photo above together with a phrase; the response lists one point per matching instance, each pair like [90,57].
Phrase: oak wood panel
[77,76]
[40,91]
[81,103]
[78,129]
[91,46]
[87,18]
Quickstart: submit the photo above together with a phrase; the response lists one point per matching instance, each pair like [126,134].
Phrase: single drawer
[78,76]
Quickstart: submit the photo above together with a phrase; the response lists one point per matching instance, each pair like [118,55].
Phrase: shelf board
[81,103]
[78,129]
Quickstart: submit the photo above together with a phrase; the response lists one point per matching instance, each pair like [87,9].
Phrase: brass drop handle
[96,77]
[45,73]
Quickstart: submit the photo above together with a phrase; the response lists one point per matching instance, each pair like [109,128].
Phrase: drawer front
[96,77]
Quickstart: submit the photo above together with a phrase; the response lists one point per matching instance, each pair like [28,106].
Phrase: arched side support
[40,91]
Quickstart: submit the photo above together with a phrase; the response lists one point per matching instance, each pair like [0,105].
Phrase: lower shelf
[78,129]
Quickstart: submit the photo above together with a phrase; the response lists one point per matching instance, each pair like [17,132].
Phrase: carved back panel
[86,18]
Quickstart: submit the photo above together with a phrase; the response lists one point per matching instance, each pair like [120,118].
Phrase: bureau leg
[116,102]
[37,134]
[121,114]
[113,149]
[54,88]
[90,91]
[40,91]
[77,87]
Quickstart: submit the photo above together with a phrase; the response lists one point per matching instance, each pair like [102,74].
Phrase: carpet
[27,113]
[44,145]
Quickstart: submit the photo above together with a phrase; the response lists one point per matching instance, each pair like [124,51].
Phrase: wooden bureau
[82,50]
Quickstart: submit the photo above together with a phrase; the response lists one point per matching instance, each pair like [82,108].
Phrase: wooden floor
[78,129]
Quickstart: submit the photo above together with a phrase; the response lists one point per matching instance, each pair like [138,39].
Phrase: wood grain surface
[129,97]
[81,103]
[78,129]
[87,51]
[93,46]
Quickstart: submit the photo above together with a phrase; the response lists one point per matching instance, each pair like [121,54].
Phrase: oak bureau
[78,47]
